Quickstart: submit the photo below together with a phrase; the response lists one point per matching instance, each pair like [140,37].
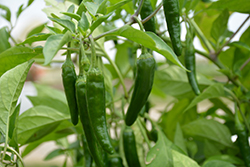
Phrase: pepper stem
[93,52]
[68,52]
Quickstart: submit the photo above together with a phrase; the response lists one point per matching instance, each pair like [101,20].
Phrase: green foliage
[190,130]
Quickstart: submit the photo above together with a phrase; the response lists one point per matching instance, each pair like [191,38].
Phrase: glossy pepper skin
[87,156]
[96,107]
[146,10]
[129,146]
[190,63]
[93,145]
[115,162]
[143,85]
[171,11]
[69,79]
[242,140]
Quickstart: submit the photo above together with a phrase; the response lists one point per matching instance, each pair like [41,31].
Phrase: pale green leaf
[217,163]
[54,44]
[35,38]
[117,5]
[38,122]
[213,91]
[228,158]
[202,129]
[98,21]
[241,6]
[179,139]
[54,153]
[181,160]
[7,14]
[68,24]
[36,30]
[72,15]
[11,84]
[4,43]
[83,24]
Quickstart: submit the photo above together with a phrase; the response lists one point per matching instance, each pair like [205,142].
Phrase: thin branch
[243,65]
[152,14]
[138,9]
[226,43]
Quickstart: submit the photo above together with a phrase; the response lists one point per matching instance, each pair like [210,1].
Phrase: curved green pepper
[146,10]
[190,63]
[129,146]
[143,85]
[69,79]
[171,11]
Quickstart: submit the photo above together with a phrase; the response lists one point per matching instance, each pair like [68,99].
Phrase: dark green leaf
[68,24]
[14,56]
[202,129]
[13,127]
[7,14]
[240,45]
[30,2]
[210,149]
[241,6]
[54,44]
[179,140]
[11,84]
[4,43]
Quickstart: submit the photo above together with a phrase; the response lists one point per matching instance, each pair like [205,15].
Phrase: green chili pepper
[96,103]
[129,146]
[69,79]
[143,85]
[242,140]
[146,10]
[115,162]
[190,63]
[87,156]
[171,11]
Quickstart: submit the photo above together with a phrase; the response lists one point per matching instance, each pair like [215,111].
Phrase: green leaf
[38,122]
[213,91]
[202,129]
[7,14]
[54,44]
[98,21]
[54,153]
[54,30]
[20,10]
[161,153]
[13,127]
[117,5]
[210,149]
[11,84]
[181,160]
[121,57]
[36,38]
[240,45]
[30,2]
[83,24]
[228,158]
[172,81]
[14,56]
[241,6]
[217,163]
[91,7]
[68,24]
[72,15]
[50,97]
[4,42]
[36,30]
[179,140]
[149,40]
[219,26]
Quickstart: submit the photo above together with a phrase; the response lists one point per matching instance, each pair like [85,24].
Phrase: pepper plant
[114,122]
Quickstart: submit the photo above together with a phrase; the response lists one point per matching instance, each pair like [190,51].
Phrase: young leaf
[11,84]
[36,30]
[14,56]
[72,15]
[36,38]
[83,24]
[4,42]
[68,24]
[20,10]
[117,5]
[219,26]
[54,44]
[54,154]
[211,130]
[98,21]
[179,140]
[7,15]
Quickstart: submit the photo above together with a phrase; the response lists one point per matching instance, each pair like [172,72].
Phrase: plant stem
[142,130]
[201,35]
[93,53]
[139,22]
[15,152]
[138,9]
[226,43]
[116,69]
[152,14]
[243,65]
